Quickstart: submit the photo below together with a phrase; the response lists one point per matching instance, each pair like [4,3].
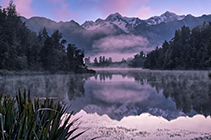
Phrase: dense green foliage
[189,49]
[138,60]
[106,62]
[22,118]
[103,62]
[22,49]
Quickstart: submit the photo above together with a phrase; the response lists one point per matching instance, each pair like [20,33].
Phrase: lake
[124,93]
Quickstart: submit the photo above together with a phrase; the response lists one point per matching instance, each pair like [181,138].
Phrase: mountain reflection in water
[120,93]
[169,94]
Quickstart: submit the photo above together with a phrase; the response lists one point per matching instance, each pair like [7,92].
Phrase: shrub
[22,118]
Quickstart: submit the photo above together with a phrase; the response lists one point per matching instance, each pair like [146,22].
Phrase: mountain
[128,24]
[118,34]
[124,23]
[165,17]
[166,30]
[71,30]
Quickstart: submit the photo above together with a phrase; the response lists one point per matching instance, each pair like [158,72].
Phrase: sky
[84,10]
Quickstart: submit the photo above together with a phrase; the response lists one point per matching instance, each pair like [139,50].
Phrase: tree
[48,56]
[22,49]
[110,60]
[103,59]
[75,58]
[95,61]
[100,59]
[87,60]
[189,49]
[56,37]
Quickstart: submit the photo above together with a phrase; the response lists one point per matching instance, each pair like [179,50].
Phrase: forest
[188,49]
[22,49]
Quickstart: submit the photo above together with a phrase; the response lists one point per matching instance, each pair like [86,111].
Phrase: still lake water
[125,92]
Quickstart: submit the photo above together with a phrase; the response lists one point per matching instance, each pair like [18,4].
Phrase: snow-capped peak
[91,25]
[128,24]
[168,14]
[165,17]
[113,17]
[124,23]
[88,23]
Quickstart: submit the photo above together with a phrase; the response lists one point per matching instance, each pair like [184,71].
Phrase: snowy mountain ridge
[165,17]
[127,24]
[93,33]
[124,23]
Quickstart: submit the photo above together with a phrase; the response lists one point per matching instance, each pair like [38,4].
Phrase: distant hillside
[189,49]
[114,33]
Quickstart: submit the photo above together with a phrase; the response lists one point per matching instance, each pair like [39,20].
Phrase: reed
[209,74]
[22,118]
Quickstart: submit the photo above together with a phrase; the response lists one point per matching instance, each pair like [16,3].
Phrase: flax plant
[24,119]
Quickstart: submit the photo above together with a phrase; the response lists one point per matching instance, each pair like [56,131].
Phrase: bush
[22,118]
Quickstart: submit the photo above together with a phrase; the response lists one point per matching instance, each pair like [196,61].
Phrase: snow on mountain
[90,25]
[90,32]
[113,17]
[165,17]
[124,23]
[128,24]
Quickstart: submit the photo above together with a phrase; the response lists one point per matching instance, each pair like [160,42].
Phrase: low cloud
[121,43]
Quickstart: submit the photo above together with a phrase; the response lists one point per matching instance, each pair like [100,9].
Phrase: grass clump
[22,118]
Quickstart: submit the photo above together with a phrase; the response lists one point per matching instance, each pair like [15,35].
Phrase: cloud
[65,10]
[124,6]
[107,7]
[60,8]
[22,6]
[176,9]
[5,3]
[143,12]
[130,43]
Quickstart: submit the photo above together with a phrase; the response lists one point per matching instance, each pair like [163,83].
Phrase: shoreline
[28,72]
[144,126]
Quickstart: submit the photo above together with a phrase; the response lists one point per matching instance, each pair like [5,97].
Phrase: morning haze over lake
[120,93]
[105,69]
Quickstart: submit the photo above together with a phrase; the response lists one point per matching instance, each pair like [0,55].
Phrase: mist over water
[123,92]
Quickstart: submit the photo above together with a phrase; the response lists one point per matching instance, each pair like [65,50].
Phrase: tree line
[106,62]
[188,49]
[22,49]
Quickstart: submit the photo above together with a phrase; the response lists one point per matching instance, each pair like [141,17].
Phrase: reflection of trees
[76,87]
[45,85]
[103,76]
[189,90]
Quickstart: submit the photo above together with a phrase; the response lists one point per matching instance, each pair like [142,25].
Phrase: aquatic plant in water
[22,118]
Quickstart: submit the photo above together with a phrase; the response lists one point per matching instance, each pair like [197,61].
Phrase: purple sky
[82,10]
